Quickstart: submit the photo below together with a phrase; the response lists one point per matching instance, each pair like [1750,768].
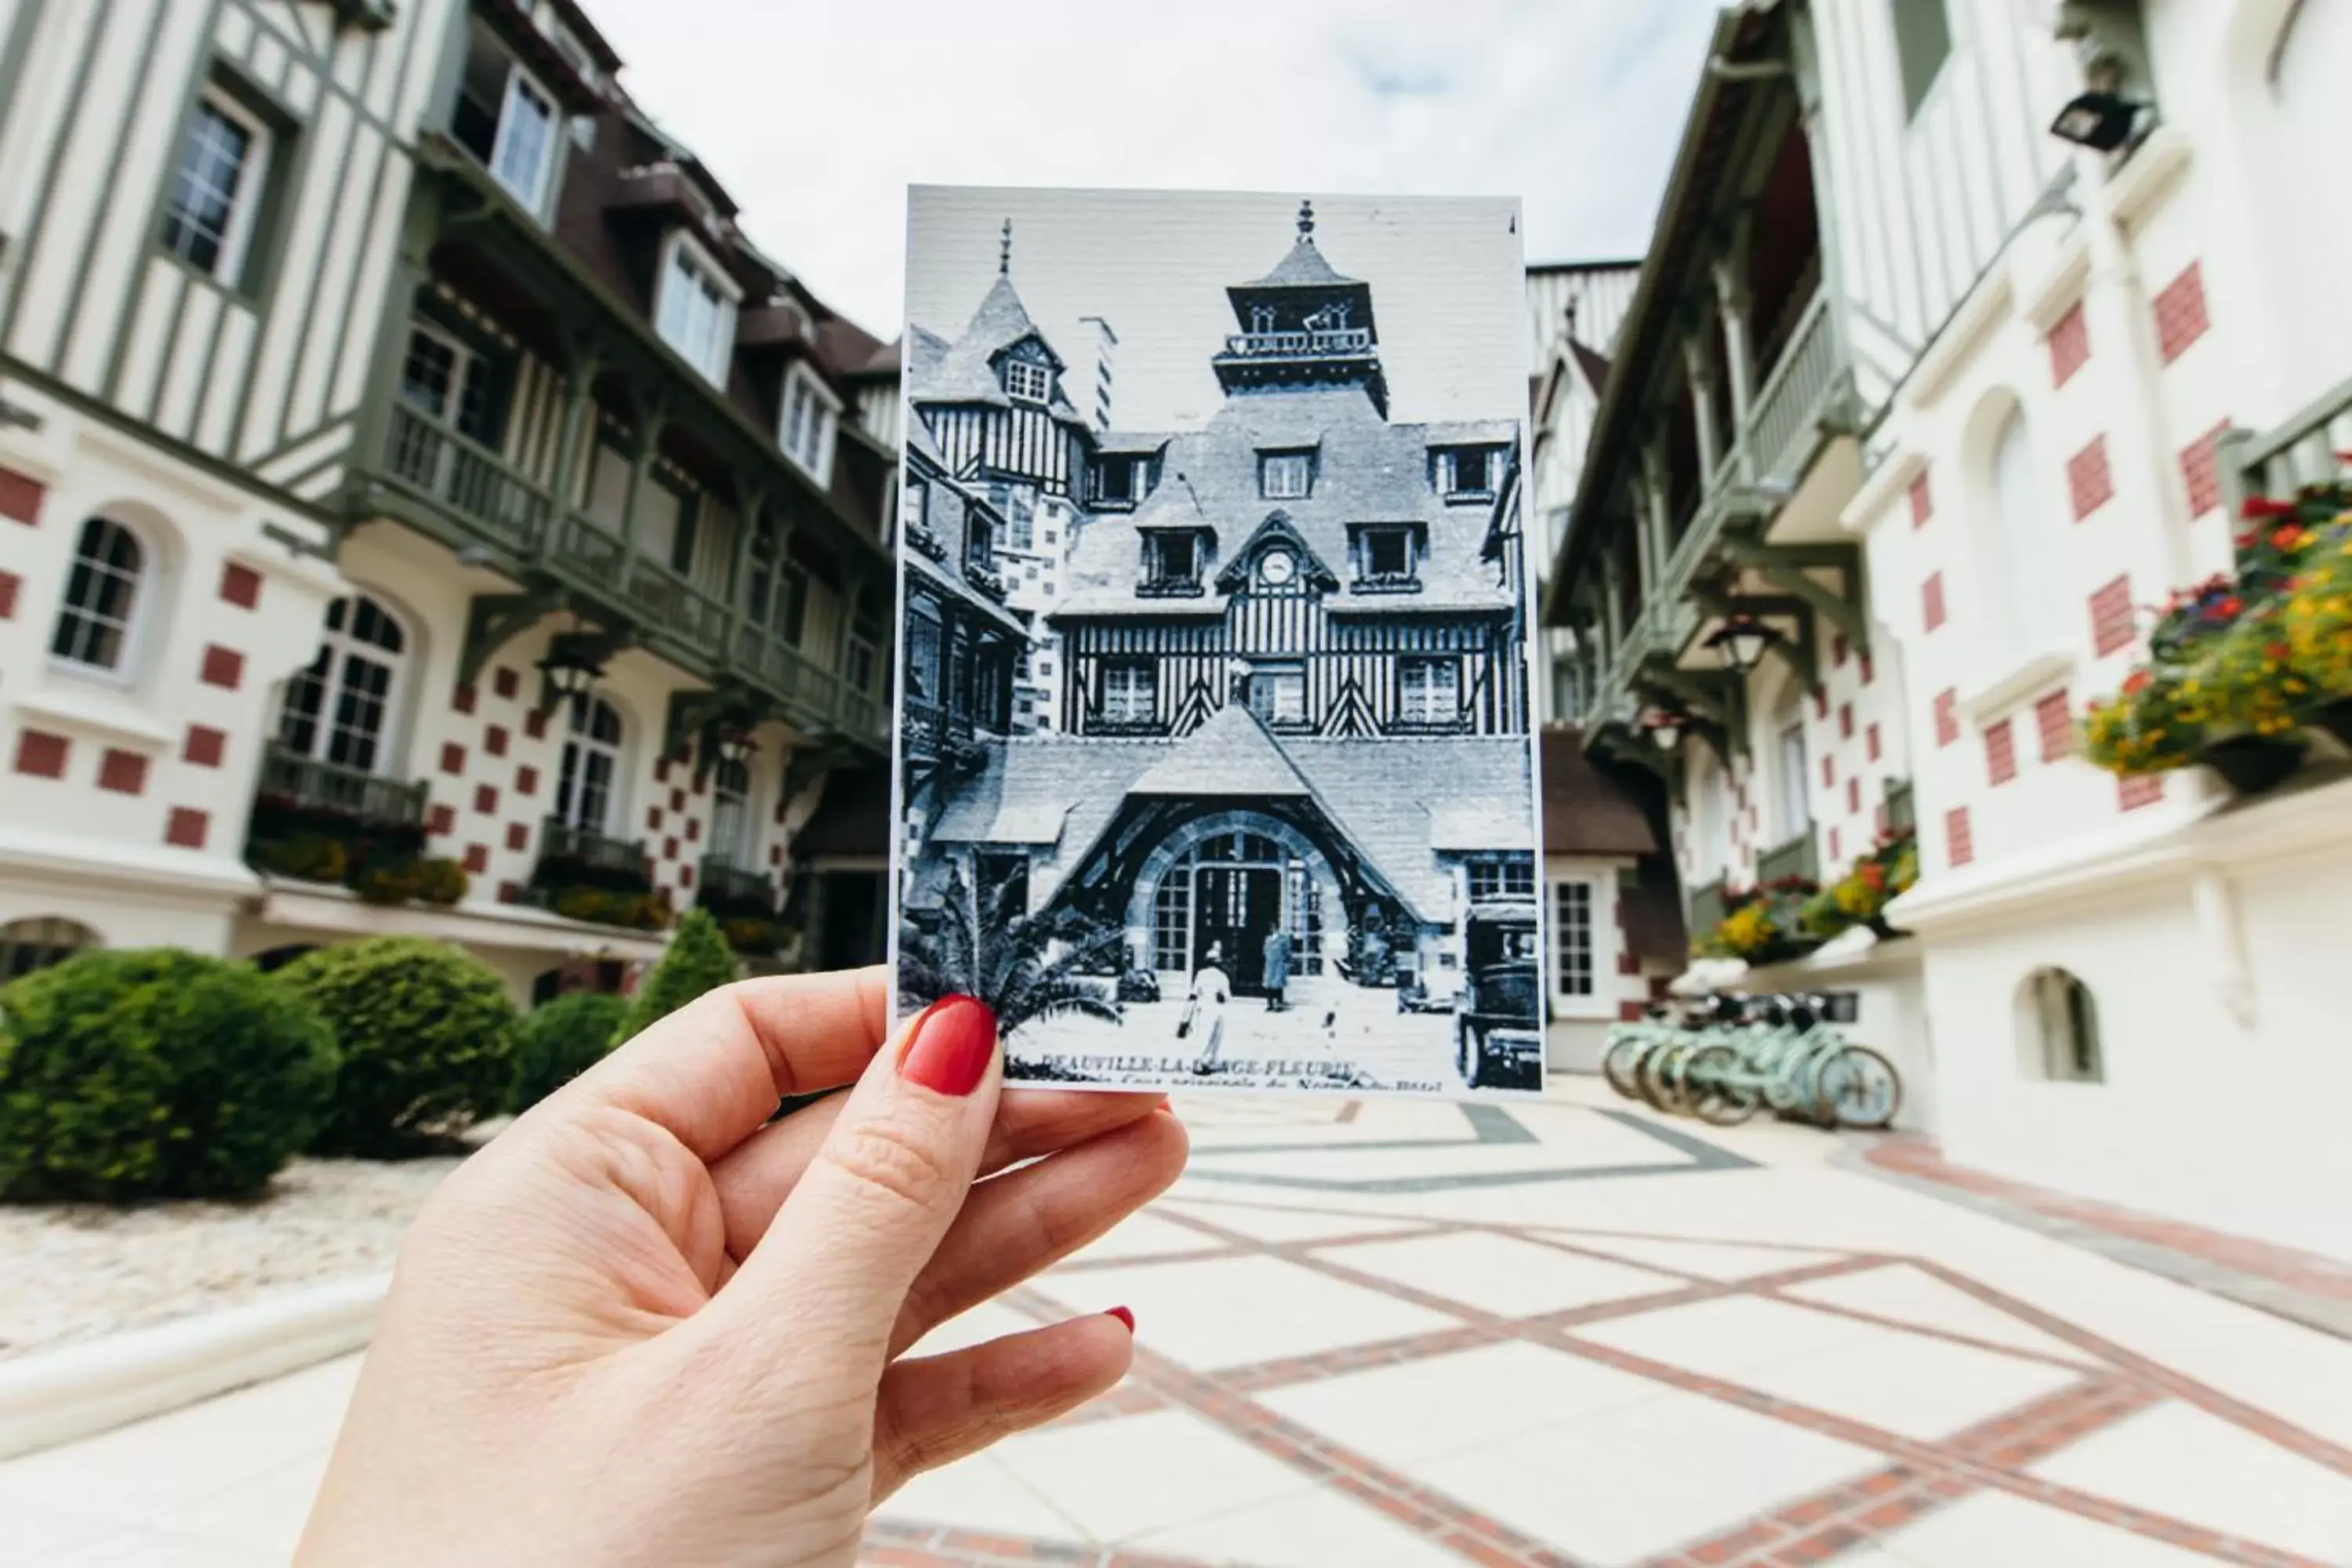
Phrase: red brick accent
[2070,345]
[1845,721]
[2054,716]
[2000,751]
[9,583]
[124,772]
[775,854]
[441,821]
[453,758]
[1835,854]
[2131,794]
[2111,617]
[2200,469]
[693,829]
[493,739]
[1829,773]
[1931,601]
[661,771]
[526,780]
[240,586]
[1626,962]
[505,682]
[1853,796]
[518,837]
[478,859]
[509,892]
[1960,840]
[534,724]
[653,819]
[20,498]
[486,799]
[204,746]
[223,667]
[678,800]
[686,875]
[2089,480]
[1870,744]
[1837,651]
[1820,703]
[463,700]
[2180,318]
[1923,502]
[41,754]
[187,827]
[1947,717]
[1868,670]
[1629,1012]
[669,848]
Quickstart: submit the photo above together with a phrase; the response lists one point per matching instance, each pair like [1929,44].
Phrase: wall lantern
[569,670]
[2098,120]
[1741,642]
[1665,727]
[736,746]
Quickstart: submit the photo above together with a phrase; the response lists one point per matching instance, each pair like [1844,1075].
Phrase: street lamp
[1741,641]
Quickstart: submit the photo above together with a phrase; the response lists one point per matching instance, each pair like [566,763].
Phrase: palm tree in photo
[984,946]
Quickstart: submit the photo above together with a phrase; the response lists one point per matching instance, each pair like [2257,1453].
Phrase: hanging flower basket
[2251,765]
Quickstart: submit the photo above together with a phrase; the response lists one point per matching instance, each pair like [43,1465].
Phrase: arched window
[2061,1025]
[97,621]
[337,709]
[2024,539]
[592,762]
[30,944]
[731,811]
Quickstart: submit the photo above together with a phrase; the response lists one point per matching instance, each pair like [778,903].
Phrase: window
[1465,473]
[1567,706]
[103,598]
[1571,937]
[1796,818]
[442,377]
[30,944]
[2023,537]
[1923,39]
[1384,555]
[1501,876]
[2062,1028]
[592,762]
[922,656]
[214,199]
[1286,476]
[731,811]
[696,315]
[336,709]
[1278,695]
[1027,381]
[1171,923]
[864,637]
[811,417]
[524,153]
[1019,515]
[1428,690]
[1127,692]
[914,506]
[1115,477]
[1174,560]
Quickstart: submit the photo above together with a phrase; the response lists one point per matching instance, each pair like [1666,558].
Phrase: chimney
[1106,345]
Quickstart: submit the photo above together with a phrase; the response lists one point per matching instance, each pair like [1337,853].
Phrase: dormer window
[508,120]
[1119,479]
[1466,473]
[1387,557]
[1286,476]
[1027,381]
[1171,563]
[696,312]
[811,417]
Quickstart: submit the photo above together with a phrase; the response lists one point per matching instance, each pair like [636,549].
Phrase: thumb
[839,1259]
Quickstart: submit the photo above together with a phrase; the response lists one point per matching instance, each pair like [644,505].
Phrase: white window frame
[1300,464]
[730,814]
[1043,392]
[1414,699]
[1793,759]
[252,183]
[1600,943]
[813,452]
[124,670]
[341,644]
[583,736]
[1135,697]
[521,80]
[682,255]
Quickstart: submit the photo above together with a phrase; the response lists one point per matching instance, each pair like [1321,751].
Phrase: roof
[1369,471]
[1652,911]
[852,817]
[1585,810]
[963,370]
[1304,267]
[1229,754]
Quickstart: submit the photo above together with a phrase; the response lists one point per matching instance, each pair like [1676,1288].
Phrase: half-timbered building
[404,446]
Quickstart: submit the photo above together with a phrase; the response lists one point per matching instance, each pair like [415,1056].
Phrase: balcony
[1707,908]
[1798,857]
[560,841]
[451,473]
[1299,345]
[307,784]
[722,884]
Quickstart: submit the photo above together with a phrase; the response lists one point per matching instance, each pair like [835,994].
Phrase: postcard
[1214,757]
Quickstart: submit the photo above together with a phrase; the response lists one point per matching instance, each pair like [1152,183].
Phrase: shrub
[424,1034]
[696,960]
[560,1041]
[130,1075]
[601,906]
[305,857]
[441,881]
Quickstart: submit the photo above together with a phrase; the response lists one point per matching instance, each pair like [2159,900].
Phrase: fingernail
[1124,1316]
[1163,1108]
[949,1049]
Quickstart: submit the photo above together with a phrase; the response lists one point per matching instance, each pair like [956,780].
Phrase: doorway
[1237,907]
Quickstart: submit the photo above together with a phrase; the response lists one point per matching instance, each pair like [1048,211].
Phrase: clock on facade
[1275,566]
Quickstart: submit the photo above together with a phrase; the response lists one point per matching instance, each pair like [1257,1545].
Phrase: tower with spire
[1303,325]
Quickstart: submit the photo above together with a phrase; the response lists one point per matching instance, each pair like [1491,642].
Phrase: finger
[754,1180]
[934,1410]
[1026,1220]
[713,1071]
[868,1212]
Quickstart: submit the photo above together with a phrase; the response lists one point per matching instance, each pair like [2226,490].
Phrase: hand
[647,1325]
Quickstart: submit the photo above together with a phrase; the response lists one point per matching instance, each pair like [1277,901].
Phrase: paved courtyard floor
[1393,1334]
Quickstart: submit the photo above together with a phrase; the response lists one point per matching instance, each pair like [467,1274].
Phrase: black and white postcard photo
[1214,761]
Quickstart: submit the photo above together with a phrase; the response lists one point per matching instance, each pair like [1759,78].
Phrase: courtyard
[1377,1334]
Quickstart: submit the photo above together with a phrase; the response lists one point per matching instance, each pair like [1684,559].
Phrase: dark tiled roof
[852,817]
[1303,265]
[1585,810]
[964,370]
[1652,909]
[1370,471]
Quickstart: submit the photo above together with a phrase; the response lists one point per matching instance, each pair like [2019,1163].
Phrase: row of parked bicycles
[1724,1057]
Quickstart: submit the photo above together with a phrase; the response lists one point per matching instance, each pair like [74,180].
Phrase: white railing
[1784,422]
[1341,339]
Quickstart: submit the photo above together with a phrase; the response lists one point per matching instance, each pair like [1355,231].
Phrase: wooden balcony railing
[1797,858]
[1785,421]
[466,478]
[721,882]
[2303,449]
[313,784]
[1280,345]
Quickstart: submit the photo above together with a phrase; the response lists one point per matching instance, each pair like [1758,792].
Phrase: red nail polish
[950,1047]
[1124,1316]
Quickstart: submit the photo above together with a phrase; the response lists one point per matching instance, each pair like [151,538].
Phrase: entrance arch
[1231,877]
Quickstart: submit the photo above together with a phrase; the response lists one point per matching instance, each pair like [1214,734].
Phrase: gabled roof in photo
[1368,471]
[1231,754]
[964,370]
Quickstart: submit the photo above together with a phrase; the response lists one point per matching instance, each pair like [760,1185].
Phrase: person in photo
[1205,1012]
[1277,969]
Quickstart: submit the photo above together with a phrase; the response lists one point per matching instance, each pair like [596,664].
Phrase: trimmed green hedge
[696,960]
[142,1074]
[561,1040]
[425,1035]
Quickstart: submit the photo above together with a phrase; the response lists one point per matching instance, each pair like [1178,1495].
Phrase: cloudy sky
[817,114]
